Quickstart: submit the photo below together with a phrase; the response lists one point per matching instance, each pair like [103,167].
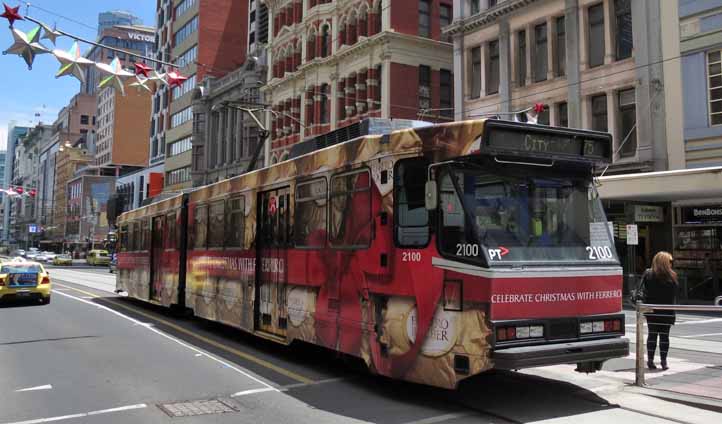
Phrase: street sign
[32,229]
[632,235]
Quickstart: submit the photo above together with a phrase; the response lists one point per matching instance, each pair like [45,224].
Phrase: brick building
[203,37]
[122,127]
[332,63]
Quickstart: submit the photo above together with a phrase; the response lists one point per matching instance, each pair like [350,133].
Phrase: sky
[23,92]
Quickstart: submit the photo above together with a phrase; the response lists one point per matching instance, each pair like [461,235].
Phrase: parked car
[19,252]
[32,253]
[49,256]
[114,263]
[62,259]
[98,257]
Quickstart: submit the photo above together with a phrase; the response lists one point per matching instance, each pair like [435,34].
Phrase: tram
[434,254]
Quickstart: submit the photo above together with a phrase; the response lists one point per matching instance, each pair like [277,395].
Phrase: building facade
[87,213]
[122,127]
[603,65]
[67,162]
[110,19]
[333,63]
[15,134]
[202,37]
[225,138]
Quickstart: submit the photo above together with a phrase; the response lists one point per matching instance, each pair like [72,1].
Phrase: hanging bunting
[160,77]
[50,33]
[175,79]
[116,77]
[72,62]
[11,14]
[142,69]
[27,45]
[141,83]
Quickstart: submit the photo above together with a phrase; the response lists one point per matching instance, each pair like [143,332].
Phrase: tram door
[156,258]
[273,237]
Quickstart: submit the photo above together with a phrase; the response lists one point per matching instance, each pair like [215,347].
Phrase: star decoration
[142,69]
[27,45]
[116,75]
[72,63]
[160,77]
[50,33]
[141,84]
[11,14]
[175,79]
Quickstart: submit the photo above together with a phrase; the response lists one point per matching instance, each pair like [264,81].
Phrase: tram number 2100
[599,253]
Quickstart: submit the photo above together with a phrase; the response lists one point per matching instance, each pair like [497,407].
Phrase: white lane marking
[32,389]
[700,321]
[314,383]
[701,335]
[253,391]
[88,297]
[81,415]
[440,418]
[169,337]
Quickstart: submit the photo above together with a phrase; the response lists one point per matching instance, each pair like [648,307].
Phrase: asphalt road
[93,357]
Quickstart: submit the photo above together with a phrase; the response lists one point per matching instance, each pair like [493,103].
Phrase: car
[19,252]
[98,257]
[47,256]
[114,263]
[32,253]
[62,259]
[24,280]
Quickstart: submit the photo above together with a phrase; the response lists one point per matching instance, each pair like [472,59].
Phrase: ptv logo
[497,254]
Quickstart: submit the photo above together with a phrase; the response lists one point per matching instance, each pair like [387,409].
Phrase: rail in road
[110,359]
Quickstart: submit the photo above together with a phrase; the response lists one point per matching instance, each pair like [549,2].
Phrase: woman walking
[660,285]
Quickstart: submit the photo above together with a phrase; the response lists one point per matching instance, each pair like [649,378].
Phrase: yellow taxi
[63,259]
[98,257]
[21,279]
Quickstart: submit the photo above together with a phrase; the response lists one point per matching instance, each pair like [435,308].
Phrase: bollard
[639,379]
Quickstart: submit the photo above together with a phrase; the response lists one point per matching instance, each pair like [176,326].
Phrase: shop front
[697,249]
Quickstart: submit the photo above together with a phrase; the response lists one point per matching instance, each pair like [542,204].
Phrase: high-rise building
[15,134]
[116,17]
[333,63]
[202,37]
[122,127]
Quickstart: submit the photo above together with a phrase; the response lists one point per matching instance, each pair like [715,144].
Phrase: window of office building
[424,87]
[521,58]
[560,56]
[181,117]
[492,71]
[185,31]
[425,18]
[596,35]
[475,74]
[185,87]
[181,146]
[599,113]
[188,57]
[540,52]
[714,74]
[183,7]
[627,123]
[473,7]
[445,18]
[446,93]
[623,33]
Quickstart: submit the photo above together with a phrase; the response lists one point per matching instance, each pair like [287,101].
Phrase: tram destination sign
[549,142]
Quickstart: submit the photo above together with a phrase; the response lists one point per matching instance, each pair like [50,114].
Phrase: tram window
[215,224]
[411,217]
[309,227]
[453,227]
[350,217]
[170,232]
[283,229]
[145,236]
[200,227]
[235,222]
[123,235]
[136,236]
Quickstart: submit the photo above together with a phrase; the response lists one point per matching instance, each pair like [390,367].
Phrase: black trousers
[661,331]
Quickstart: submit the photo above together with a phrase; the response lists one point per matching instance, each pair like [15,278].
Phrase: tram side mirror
[431,197]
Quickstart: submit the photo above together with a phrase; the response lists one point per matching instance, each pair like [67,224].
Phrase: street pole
[639,377]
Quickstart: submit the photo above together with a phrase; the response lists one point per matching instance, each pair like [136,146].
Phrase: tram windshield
[513,215]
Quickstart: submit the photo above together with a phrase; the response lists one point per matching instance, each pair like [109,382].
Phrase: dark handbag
[640,293]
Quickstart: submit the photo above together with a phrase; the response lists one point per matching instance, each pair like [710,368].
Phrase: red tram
[433,253]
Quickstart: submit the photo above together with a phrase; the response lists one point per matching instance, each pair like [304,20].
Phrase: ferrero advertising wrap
[304,250]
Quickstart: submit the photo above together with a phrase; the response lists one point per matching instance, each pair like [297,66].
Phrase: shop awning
[664,186]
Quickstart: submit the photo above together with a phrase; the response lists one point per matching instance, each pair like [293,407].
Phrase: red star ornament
[175,79]
[142,69]
[11,14]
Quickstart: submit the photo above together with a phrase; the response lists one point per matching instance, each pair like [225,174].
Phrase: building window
[473,7]
[563,113]
[181,117]
[492,71]
[425,18]
[475,74]
[325,42]
[424,87]
[446,93]
[185,87]
[714,72]
[188,57]
[596,35]
[325,105]
[84,120]
[628,123]
[181,146]
[599,113]
[543,117]
[445,18]
[561,47]
[178,176]
[540,52]
[183,7]
[185,31]
[521,58]
[623,33]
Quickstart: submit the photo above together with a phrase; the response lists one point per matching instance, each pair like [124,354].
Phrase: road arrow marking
[32,389]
